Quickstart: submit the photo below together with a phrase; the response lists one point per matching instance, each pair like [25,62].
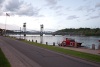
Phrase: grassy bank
[3,61]
[86,56]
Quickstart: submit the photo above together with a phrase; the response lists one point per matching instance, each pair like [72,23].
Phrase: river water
[86,41]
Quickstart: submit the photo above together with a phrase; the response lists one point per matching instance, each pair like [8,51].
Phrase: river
[86,41]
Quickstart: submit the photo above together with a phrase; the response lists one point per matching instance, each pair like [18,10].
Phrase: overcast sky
[53,14]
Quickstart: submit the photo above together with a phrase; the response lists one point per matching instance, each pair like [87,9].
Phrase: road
[32,56]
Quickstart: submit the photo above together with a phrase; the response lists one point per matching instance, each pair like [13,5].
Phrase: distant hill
[79,31]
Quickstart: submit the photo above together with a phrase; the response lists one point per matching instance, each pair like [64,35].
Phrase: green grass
[3,61]
[82,55]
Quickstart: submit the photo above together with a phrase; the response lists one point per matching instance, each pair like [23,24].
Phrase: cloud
[13,5]
[85,0]
[21,8]
[57,7]
[94,17]
[72,17]
[81,8]
[1,1]
[68,9]
[86,8]
[60,13]
[53,4]
[97,5]
[1,12]
[27,10]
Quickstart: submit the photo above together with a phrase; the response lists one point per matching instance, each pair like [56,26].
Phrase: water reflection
[41,39]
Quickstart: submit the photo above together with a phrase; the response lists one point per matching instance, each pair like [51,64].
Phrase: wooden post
[36,41]
[93,46]
[99,47]
[46,43]
[53,43]
[32,41]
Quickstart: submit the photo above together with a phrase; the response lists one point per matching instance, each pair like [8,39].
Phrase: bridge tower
[41,33]
[24,28]
[41,30]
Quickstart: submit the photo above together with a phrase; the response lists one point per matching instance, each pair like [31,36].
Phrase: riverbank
[78,54]
[80,49]
[36,49]
[86,41]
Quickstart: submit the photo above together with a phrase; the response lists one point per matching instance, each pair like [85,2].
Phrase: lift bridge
[17,32]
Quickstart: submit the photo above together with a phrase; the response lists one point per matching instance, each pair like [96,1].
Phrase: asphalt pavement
[33,56]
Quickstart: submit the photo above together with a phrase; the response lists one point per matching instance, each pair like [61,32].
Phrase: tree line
[80,31]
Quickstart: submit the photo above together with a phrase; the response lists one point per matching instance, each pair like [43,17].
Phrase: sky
[53,14]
